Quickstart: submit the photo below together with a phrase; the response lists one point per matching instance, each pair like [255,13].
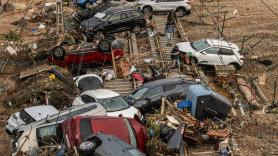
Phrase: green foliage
[12,36]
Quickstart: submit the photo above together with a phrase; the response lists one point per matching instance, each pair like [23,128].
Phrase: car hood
[129,113]
[144,1]
[14,121]
[185,47]
[91,23]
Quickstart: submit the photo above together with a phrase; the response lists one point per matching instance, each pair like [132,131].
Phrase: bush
[12,36]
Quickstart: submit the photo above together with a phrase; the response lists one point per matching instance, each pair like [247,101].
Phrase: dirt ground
[256,134]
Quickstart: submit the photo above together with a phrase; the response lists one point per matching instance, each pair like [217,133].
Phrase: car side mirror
[204,53]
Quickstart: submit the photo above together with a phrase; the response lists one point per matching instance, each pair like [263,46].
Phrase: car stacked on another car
[114,19]
[148,96]
[114,104]
[212,52]
[181,7]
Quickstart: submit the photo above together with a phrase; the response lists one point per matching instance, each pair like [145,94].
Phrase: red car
[63,58]
[78,128]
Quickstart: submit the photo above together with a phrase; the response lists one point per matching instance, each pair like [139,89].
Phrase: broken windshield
[102,16]
[113,104]
[200,45]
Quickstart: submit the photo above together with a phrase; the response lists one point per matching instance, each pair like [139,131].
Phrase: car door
[161,5]
[115,23]
[227,56]
[209,56]
[170,91]
[154,95]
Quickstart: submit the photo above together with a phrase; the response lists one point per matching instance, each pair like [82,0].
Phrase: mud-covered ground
[256,135]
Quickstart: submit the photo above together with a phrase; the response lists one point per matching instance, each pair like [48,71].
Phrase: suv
[113,20]
[182,7]
[212,52]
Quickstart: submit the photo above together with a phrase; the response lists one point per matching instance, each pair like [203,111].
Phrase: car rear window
[85,128]
[26,117]
[49,135]
[132,14]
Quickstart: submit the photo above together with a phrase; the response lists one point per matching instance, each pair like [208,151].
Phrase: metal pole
[113,62]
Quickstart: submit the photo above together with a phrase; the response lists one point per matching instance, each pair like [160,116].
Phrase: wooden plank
[34,71]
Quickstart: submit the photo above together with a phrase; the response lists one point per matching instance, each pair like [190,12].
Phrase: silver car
[181,7]
[29,115]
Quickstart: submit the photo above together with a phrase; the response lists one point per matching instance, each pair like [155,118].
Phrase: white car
[181,7]
[29,115]
[113,102]
[212,52]
[27,137]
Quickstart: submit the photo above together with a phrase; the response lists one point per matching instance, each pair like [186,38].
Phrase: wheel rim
[137,29]
[179,12]
[58,52]
[98,36]
[147,10]
[104,46]
[86,145]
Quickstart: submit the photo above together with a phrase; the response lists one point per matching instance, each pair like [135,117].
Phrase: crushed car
[113,102]
[28,116]
[78,128]
[148,97]
[107,145]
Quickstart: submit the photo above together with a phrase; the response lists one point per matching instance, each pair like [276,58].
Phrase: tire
[98,36]
[236,66]
[193,60]
[147,10]
[87,148]
[136,29]
[59,53]
[104,45]
[180,12]
[110,37]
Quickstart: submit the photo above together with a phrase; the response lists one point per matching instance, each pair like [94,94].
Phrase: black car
[113,20]
[107,145]
[148,97]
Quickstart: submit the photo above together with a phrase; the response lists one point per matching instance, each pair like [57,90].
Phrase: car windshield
[26,117]
[113,104]
[102,16]
[200,45]
[137,94]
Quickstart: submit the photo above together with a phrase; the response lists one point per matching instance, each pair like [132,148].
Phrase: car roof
[220,43]
[101,93]
[39,112]
[161,82]
[119,9]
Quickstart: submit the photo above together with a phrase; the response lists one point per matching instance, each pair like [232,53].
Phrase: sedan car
[212,52]
[113,102]
[113,20]
[107,145]
[148,96]
[29,115]
[78,129]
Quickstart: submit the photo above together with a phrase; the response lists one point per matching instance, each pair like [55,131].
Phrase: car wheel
[180,12]
[110,37]
[104,45]
[236,66]
[98,36]
[59,53]
[87,148]
[193,60]
[137,29]
[147,10]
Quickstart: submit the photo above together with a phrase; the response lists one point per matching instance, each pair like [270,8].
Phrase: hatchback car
[113,102]
[212,52]
[29,115]
[113,20]
[181,7]
[148,96]
[78,128]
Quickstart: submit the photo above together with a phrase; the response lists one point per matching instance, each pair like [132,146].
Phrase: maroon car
[78,129]
[85,55]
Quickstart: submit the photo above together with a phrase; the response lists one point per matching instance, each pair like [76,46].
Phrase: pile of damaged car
[122,78]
